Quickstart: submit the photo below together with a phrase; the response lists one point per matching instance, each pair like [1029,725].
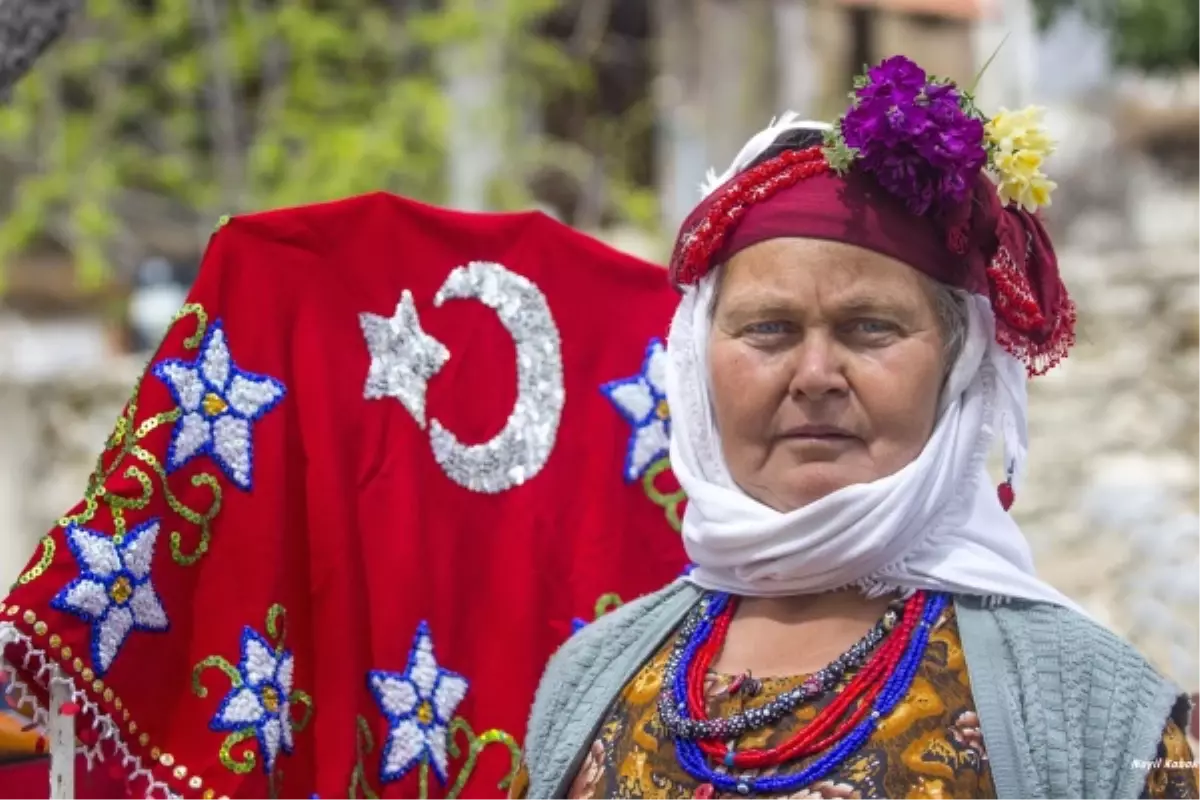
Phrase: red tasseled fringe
[1019,318]
[1040,357]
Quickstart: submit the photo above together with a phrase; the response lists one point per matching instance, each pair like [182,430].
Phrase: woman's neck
[847,604]
[783,636]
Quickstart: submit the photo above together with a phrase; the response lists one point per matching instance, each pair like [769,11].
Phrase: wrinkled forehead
[799,271]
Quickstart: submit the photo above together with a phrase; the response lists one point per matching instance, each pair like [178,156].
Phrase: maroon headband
[981,245]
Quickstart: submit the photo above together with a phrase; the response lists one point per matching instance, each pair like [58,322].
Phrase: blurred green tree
[1149,35]
[148,110]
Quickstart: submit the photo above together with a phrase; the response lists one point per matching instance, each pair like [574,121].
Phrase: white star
[642,400]
[220,404]
[113,592]
[419,705]
[261,701]
[403,357]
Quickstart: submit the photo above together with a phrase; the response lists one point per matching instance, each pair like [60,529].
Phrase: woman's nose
[819,368]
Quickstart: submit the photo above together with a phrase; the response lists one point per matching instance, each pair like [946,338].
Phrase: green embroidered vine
[136,463]
[364,743]
[668,501]
[247,760]
[608,602]
[48,547]
[360,785]
[213,662]
[475,746]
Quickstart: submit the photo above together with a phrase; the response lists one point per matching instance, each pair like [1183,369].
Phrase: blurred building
[713,72]
[728,68]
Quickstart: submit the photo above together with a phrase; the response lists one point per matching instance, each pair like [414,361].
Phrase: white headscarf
[936,524]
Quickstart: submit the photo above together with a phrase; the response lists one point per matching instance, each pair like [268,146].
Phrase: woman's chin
[805,484]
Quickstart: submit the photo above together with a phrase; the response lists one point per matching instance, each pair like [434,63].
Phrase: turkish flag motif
[384,462]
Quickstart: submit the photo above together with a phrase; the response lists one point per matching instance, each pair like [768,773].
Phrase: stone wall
[1110,504]
[1110,500]
[52,428]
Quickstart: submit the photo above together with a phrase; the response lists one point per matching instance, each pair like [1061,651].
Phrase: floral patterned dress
[928,747]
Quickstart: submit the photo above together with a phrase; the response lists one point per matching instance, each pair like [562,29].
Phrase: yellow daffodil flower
[1020,144]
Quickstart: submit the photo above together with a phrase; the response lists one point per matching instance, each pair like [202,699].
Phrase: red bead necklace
[816,736]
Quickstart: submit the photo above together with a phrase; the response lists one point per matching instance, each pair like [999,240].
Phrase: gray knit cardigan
[1066,708]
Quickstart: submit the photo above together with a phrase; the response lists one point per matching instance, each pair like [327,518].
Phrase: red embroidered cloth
[384,460]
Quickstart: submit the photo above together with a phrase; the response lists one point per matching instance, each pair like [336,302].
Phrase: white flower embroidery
[220,404]
[418,704]
[642,400]
[113,591]
[261,700]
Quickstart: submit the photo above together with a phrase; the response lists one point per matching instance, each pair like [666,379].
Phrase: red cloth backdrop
[30,778]
[274,588]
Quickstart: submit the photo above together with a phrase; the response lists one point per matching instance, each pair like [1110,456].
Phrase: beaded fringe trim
[47,673]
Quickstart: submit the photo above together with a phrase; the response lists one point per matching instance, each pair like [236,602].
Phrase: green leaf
[839,157]
[333,98]
[975,81]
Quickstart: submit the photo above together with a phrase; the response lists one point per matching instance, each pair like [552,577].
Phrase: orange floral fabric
[930,746]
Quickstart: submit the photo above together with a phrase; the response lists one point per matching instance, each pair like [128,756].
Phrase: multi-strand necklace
[886,659]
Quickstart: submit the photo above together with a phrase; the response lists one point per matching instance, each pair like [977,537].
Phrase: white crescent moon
[519,451]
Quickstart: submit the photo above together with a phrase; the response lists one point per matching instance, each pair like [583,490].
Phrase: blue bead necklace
[692,758]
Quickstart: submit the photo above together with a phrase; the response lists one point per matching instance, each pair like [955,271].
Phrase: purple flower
[913,136]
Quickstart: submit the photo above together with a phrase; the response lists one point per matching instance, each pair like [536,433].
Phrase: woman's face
[826,363]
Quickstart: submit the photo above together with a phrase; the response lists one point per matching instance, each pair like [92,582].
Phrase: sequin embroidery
[419,704]
[670,501]
[360,785]
[642,400]
[260,699]
[47,546]
[124,455]
[522,447]
[605,603]
[403,357]
[220,404]
[113,592]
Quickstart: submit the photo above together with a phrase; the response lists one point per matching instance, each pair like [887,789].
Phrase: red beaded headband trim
[691,259]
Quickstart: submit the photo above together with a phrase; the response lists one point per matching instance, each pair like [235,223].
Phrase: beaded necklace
[699,727]
[878,686]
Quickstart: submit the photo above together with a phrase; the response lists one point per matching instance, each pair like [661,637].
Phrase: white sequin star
[419,704]
[261,700]
[642,400]
[403,357]
[220,405]
[113,592]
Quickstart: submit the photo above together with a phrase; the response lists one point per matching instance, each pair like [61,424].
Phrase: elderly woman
[861,306]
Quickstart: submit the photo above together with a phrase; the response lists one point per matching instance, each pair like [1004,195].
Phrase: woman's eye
[773,328]
[873,327]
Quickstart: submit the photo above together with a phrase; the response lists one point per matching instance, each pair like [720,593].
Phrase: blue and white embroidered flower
[260,700]
[642,400]
[220,403]
[418,704]
[113,591]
